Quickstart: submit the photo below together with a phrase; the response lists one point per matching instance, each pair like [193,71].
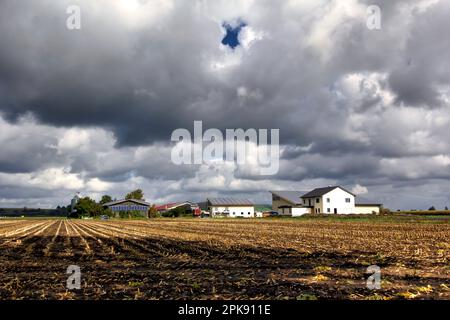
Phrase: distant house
[328,200]
[289,203]
[231,207]
[128,205]
[188,206]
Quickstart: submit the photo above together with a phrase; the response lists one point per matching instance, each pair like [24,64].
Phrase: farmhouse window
[328,200]
[317,200]
[347,200]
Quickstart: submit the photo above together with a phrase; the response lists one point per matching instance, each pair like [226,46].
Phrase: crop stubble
[223,259]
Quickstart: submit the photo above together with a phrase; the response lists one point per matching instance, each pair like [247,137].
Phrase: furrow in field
[18,237]
[97,243]
[145,248]
[175,234]
[35,244]
[121,241]
[24,229]
[76,244]
[11,225]
[87,248]
[51,244]
[166,246]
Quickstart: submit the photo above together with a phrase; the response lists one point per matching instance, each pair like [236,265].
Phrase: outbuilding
[128,206]
[231,207]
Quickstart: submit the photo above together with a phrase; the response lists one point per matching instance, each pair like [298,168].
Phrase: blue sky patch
[231,38]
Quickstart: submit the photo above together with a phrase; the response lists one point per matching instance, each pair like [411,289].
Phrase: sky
[93,109]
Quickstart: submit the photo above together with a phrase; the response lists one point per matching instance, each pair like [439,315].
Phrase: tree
[152,212]
[446,208]
[105,199]
[432,208]
[136,194]
[88,207]
[175,213]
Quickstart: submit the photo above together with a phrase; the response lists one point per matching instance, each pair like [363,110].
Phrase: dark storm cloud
[138,84]
[425,67]
[144,83]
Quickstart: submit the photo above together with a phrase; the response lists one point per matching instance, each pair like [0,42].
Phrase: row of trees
[89,207]
[432,208]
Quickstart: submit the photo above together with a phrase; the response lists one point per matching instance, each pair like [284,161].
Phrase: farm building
[128,205]
[231,207]
[188,206]
[289,203]
[367,206]
[328,200]
[74,202]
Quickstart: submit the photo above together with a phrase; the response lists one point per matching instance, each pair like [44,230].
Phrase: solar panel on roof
[229,201]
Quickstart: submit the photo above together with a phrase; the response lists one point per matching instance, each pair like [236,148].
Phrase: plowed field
[223,259]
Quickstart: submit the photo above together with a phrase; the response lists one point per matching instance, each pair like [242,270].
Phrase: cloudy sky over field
[92,110]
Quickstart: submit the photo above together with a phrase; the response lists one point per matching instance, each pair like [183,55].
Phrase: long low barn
[128,205]
[231,207]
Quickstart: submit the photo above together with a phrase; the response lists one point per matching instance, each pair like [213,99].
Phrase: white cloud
[359,189]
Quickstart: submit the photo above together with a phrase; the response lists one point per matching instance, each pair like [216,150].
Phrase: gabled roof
[112,203]
[174,205]
[230,202]
[166,206]
[318,192]
[290,196]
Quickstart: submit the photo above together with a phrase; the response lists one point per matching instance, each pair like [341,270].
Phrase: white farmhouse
[231,207]
[328,200]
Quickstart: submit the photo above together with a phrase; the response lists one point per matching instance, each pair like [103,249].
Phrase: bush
[153,213]
[74,215]
[177,212]
[427,213]
[131,214]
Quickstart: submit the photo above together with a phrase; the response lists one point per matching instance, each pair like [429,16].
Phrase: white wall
[248,212]
[297,212]
[337,200]
[294,212]
[367,209]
